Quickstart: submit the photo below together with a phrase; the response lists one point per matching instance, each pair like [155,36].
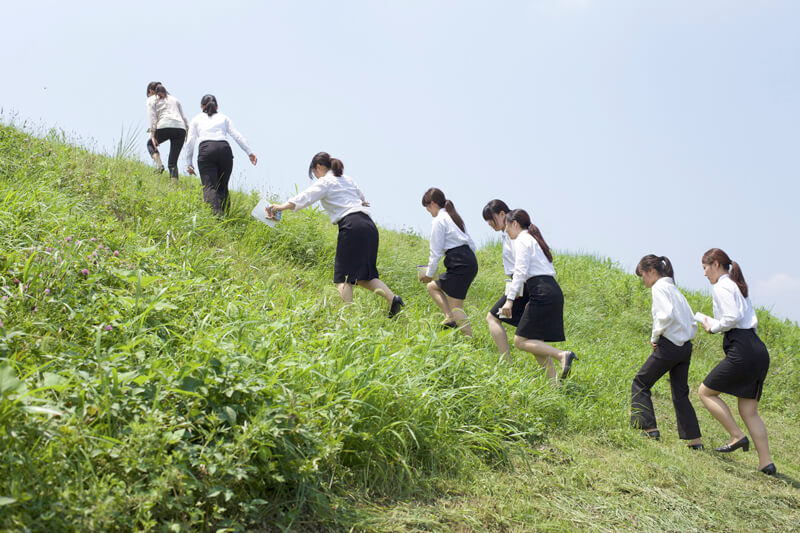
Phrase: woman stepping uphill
[167,123]
[671,338]
[357,244]
[744,369]
[542,321]
[449,239]
[214,158]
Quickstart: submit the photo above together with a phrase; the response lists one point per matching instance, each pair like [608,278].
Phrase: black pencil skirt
[356,249]
[461,268]
[543,318]
[744,369]
[517,308]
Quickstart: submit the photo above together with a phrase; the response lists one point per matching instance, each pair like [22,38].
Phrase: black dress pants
[215,164]
[176,138]
[666,357]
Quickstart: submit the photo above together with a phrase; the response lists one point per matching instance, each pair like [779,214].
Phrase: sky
[623,127]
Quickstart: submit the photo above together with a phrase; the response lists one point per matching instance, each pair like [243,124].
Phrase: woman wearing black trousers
[167,123]
[744,369]
[671,338]
[210,130]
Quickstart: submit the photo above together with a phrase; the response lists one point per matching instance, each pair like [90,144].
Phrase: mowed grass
[162,369]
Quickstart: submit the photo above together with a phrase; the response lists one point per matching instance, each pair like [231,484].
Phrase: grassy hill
[161,369]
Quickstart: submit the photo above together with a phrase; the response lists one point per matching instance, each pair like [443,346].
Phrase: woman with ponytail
[210,129]
[494,213]
[357,243]
[542,320]
[449,239]
[167,123]
[671,339]
[744,369]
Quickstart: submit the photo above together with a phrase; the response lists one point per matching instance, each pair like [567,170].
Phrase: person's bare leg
[748,410]
[499,335]
[377,286]
[719,410]
[440,299]
[461,318]
[346,292]
[541,348]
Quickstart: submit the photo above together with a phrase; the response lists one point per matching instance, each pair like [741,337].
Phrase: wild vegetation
[163,369]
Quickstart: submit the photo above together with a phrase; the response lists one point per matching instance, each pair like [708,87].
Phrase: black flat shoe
[696,447]
[769,470]
[652,434]
[743,443]
[568,364]
[396,307]
[450,325]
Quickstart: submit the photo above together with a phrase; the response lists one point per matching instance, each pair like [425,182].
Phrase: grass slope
[161,369]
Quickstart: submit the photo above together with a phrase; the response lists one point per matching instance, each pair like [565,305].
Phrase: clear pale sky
[623,127]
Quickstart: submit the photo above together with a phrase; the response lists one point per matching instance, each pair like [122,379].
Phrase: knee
[491,319]
[518,342]
[432,287]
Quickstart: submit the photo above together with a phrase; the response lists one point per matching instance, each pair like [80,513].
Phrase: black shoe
[396,307]
[743,443]
[653,434]
[769,470]
[568,364]
[696,447]
[451,325]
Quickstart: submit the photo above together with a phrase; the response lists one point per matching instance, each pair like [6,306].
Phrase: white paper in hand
[698,316]
[260,212]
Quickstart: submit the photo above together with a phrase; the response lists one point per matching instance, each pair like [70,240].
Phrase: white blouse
[529,261]
[339,196]
[672,316]
[445,235]
[508,254]
[214,128]
[165,113]
[731,308]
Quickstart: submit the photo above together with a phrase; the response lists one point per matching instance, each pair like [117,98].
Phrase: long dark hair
[161,91]
[436,196]
[715,254]
[521,217]
[209,104]
[152,86]
[654,262]
[325,159]
[494,207]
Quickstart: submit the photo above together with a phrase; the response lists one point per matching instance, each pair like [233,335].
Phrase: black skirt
[462,267]
[517,308]
[744,369]
[356,249]
[543,318]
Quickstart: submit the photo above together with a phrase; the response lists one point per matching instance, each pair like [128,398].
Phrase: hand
[505,311]
[654,344]
[253,159]
[706,325]
[425,279]
[190,170]
[365,203]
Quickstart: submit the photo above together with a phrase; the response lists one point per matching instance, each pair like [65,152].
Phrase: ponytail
[521,217]
[733,268]
[436,196]
[209,104]
[161,91]
[660,264]
[324,158]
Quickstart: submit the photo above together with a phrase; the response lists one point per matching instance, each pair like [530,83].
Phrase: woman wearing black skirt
[210,129]
[357,244]
[494,213]
[449,239]
[744,369]
[543,318]
[167,123]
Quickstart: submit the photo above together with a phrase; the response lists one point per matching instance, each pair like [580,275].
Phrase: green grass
[207,377]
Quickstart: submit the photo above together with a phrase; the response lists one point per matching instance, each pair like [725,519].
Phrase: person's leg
[688,427]
[499,335]
[379,287]
[440,299]
[177,137]
[720,411]
[209,173]
[226,169]
[460,317]
[345,291]
[153,151]
[748,410]
[643,416]
[543,352]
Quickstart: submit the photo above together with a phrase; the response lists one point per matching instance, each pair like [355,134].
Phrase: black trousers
[215,164]
[666,357]
[176,138]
